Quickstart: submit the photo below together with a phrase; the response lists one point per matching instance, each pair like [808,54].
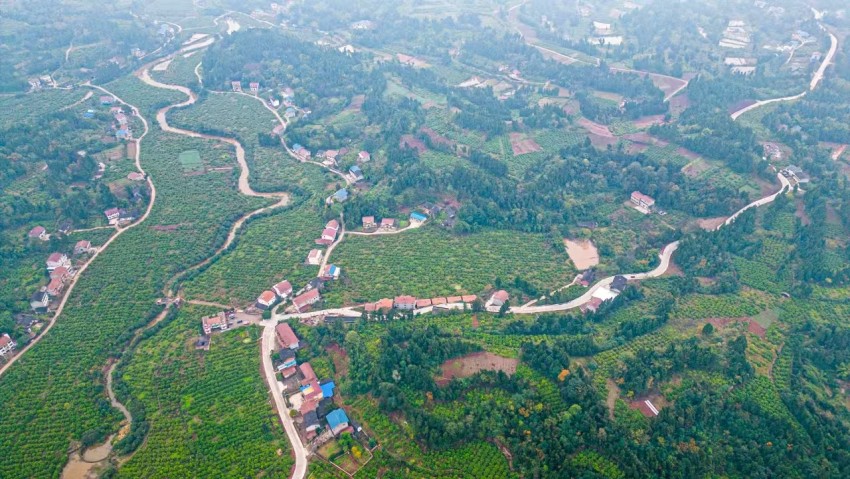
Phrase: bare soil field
[410,141]
[412,61]
[753,326]
[711,224]
[595,128]
[583,253]
[437,138]
[472,363]
[647,121]
[687,153]
[740,105]
[520,144]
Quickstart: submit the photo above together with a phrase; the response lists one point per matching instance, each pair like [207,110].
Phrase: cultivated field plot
[430,262]
[521,145]
[190,160]
[473,363]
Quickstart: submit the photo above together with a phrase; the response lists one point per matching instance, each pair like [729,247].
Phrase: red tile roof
[267,297]
[501,295]
[36,232]
[83,244]
[388,222]
[329,233]
[368,220]
[469,298]
[60,272]
[404,299]
[308,406]
[307,371]
[283,288]
[55,257]
[306,299]
[285,335]
[55,286]
[385,303]
[454,299]
[421,303]
[112,212]
[642,197]
[5,340]
[214,320]
[332,224]
[288,372]
[438,301]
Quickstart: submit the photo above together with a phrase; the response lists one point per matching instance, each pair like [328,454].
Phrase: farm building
[7,345]
[266,300]
[39,232]
[82,247]
[56,260]
[341,195]
[417,217]
[283,289]
[39,301]
[499,298]
[356,173]
[642,200]
[369,222]
[388,224]
[214,322]
[337,421]
[303,301]
[286,337]
[314,257]
[405,303]
[112,215]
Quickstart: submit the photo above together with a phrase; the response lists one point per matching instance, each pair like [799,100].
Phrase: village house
[417,217]
[106,99]
[618,284]
[499,298]
[39,232]
[216,321]
[332,225]
[364,156]
[7,345]
[356,173]
[438,301]
[136,176]
[266,299]
[254,86]
[61,273]
[423,303]
[126,217]
[468,298]
[307,373]
[337,421]
[286,337]
[642,200]
[283,289]
[330,272]
[328,236]
[304,300]
[328,387]
[287,358]
[311,391]
[236,86]
[39,301]
[314,257]
[311,421]
[454,299]
[341,195]
[369,222]
[591,306]
[404,303]
[112,215]
[82,247]
[388,224]
[796,173]
[382,305]
[56,260]
[55,287]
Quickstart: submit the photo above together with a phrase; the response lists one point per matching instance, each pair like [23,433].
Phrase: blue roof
[418,216]
[355,169]
[336,418]
[290,110]
[297,146]
[341,194]
[328,391]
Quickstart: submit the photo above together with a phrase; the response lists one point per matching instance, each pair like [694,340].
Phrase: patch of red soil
[647,121]
[472,363]
[357,102]
[131,150]
[410,141]
[602,141]
[437,138]
[679,103]
[522,145]
[634,148]
[165,228]
[646,139]
[475,321]
[741,104]
[687,153]
[595,128]
[753,327]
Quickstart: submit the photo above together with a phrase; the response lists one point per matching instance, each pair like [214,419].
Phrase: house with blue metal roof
[341,195]
[356,173]
[418,217]
[337,421]
[327,388]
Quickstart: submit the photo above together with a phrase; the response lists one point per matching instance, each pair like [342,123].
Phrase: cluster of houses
[386,224]
[604,293]
[119,216]
[44,81]
[7,345]
[61,271]
[122,129]
[316,396]
[303,299]
[411,303]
